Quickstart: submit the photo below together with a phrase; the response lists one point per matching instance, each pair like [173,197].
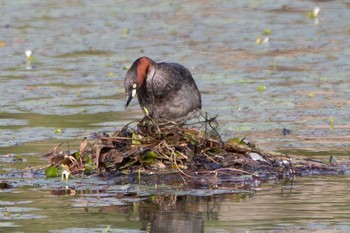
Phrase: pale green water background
[81,51]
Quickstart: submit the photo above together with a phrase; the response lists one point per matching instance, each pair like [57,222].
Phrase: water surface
[298,80]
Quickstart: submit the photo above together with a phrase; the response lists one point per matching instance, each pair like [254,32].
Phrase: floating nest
[144,152]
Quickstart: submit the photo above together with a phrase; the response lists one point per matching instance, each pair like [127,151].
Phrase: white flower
[28,53]
[316,11]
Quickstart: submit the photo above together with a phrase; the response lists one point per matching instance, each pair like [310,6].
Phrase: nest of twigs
[194,152]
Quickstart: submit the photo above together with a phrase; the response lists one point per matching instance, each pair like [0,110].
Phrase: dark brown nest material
[191,152]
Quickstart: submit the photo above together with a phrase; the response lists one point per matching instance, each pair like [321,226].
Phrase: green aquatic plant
[107,229]
[6,213]
[52,171]
[136,139]
[149,157]
[314,13]
[261,88]
[111,74]
[126,31]
[331,122]
[58,131]
[264,38]
[267,32]
[310,95]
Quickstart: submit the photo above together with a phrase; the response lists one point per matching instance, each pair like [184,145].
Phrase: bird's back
[172,93]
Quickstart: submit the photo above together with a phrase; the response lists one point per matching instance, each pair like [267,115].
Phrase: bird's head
[136,77]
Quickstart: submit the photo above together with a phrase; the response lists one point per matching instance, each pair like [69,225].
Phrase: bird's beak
[129,96]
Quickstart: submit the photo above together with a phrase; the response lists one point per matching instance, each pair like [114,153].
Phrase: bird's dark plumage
[166,91]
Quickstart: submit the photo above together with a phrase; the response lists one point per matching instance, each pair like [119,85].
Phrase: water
[298,80]
[310,204]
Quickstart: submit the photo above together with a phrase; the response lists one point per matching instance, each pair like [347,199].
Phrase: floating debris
[286,131]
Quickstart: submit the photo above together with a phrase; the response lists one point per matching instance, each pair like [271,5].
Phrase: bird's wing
[168,78]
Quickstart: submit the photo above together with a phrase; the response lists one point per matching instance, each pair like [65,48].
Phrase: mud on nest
[194,152]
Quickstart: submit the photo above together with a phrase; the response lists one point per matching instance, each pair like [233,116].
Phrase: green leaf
[267,32]
[234,140]
[89,169]
[191,138]
[126,31]
[108,229]
[110,74]
[52,171]
[259,40]
[58,131]
[135,139]
[128,164]
[241,141]
[331,122]
[77,155]
[313,14]
[310,95]
[261,88]
[88,160]
[149,157]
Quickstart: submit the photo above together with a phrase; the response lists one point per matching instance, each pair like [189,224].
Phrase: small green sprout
[108,229]
[310,95]
[58,131]
[135,139]
[146,111]
[6,213]
[314,13]
[126,31]
[331,122]
[267,32]
[261,88]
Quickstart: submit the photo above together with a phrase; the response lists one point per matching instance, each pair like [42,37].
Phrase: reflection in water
[312,203]
[170,213]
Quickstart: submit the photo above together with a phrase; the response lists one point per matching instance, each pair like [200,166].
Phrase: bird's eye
[134,85]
